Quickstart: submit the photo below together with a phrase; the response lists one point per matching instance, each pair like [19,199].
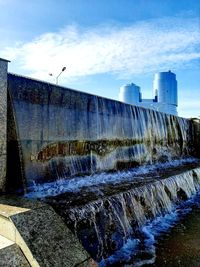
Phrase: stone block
[12,256]
[2,148]
[42,234]
[7,228]
[3,121]
[17,205]
[6,210]
[2,172]
[4,242]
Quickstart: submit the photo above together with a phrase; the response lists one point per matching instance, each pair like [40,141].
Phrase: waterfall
[62,133]
[137,136]
[105,225]
[103,165]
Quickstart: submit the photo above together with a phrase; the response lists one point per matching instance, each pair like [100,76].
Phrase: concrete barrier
[40,234]
[56,132]
[3,121]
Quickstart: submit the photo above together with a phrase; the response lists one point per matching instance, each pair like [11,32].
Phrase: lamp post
[63,69]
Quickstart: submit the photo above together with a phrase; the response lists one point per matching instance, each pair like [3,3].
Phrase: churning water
[172,240]
[111,221]
[75,184]
[121,225]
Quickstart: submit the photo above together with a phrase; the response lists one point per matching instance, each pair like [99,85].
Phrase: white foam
[77,183]
[162,224]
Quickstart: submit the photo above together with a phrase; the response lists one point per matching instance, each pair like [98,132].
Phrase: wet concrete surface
[88,194]
[96,216]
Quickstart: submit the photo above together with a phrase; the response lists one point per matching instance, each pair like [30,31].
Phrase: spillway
[59,133]
[107,219]
[111,170]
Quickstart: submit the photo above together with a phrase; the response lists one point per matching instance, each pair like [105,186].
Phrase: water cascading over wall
[55,132]
[105,225]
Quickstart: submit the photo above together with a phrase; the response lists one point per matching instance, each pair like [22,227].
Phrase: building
[164,94]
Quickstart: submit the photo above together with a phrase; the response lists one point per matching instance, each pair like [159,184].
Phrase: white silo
[165,91]
[130,93]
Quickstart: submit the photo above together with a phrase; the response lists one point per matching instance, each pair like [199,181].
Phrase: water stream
[168,241]
[119,225]
[116,173]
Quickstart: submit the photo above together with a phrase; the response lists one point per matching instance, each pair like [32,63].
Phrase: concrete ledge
[7,229]
[12,256]
[4,242]
[41,234]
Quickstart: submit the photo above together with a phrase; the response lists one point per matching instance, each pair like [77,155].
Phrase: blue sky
[105,44]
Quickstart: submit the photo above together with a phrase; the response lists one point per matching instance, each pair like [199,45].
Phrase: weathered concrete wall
[59,133]
[196,125]
[3,122]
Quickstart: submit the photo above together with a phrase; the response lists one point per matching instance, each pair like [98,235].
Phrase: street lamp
[63,69]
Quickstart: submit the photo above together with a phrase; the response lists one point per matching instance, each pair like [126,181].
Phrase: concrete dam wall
[55,132]
[117,174]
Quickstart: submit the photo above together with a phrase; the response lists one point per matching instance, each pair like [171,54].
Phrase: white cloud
[143,47]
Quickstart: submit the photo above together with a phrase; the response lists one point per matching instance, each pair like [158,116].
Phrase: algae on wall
[196,125]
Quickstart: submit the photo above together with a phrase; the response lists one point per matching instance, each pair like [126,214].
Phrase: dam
[112,176]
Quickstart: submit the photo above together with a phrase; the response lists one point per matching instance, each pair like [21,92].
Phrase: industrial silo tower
[130,93]
[165,92]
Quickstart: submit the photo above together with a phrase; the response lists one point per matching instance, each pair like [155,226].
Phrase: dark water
[169,241]
[181,246]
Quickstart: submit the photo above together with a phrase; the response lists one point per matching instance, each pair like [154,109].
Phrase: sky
[105,44]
